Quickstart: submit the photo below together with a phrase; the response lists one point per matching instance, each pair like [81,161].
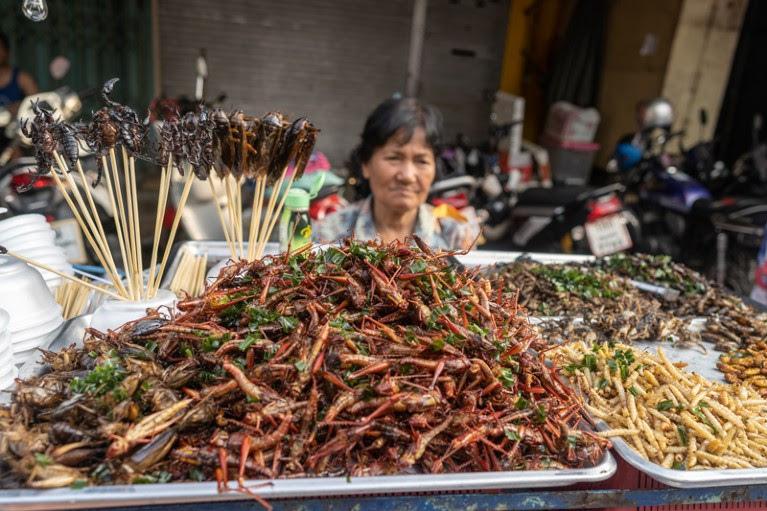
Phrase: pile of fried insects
[359,359]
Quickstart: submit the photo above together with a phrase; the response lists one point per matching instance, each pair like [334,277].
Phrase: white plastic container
[113,313]
[566,122]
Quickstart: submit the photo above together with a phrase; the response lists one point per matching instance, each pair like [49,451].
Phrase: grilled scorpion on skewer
[41,132]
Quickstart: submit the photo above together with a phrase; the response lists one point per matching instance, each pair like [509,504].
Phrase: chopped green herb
[634,391]
[540,413]
[512,435]
[300,365]
[682,434]
[334,256]
[521,403]
[602,384]
[161,477]
[418,266]
[288,323]
[437,344]
[507,378]
[78,485]
[246,343]
[43,459]
[665,406]
[102,379]
[196,474]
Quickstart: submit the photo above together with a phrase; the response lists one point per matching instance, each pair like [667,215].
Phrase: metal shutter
[329,60]
[462,56]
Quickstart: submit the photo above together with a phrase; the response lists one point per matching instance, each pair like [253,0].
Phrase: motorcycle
[572,219]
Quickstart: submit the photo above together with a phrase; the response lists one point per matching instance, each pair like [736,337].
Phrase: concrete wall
[630,76]
[699,66]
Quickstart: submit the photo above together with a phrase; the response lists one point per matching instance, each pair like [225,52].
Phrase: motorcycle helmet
[627,155]
[655,113]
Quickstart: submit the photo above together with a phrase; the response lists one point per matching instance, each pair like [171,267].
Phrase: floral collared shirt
[357,219]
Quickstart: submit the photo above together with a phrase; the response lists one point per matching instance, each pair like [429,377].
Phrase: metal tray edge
[112,496]
[686,478]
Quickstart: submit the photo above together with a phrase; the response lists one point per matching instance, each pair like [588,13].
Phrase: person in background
[397,157]
[15,84]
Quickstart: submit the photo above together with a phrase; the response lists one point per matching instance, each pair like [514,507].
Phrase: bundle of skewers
[232,147]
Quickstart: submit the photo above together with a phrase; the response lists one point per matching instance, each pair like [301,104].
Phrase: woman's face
[400,174]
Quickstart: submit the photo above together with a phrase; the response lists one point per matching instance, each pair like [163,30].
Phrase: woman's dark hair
[5,41]
[394,116]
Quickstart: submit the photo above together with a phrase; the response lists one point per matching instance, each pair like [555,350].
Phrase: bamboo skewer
[118,221]
[93,234]
[232,214]
[221,215]
[85,230]
[140,272]
[131,224]
[238,210]
[255,215]
[128,261]
[63,275]
[94,211]
[276,215]
[174,228]
[161,203]
[269,210]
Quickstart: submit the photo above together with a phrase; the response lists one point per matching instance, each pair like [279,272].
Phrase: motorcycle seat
[556,196]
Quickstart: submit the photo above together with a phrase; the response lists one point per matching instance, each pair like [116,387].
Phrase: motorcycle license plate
[608,235]
[70,238]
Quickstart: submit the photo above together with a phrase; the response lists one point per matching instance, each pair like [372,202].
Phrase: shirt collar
[425,225]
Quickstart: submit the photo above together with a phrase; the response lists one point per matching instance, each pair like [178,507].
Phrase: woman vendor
[397,156]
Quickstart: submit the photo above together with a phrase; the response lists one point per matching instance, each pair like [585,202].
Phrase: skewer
[175,283]
[174,228]
[255,215]
[131,223]
[99,243]
[87,232]
[232,214]
[162,197]
[275,216]
[221,214]
[140,267]
[266,233]
[128,261]
[117,218]
[63,275]
[238,210]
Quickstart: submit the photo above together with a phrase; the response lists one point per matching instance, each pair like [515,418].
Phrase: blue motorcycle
[666,200]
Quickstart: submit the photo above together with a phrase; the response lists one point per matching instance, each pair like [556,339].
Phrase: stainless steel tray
[218,251]
[134,495]
[687,478]
[705,365]
[155,494]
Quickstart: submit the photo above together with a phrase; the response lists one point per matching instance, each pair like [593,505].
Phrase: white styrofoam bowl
[4,320]
[20,221]
[37,331]
[30,239]
[25,296]
[11,234]
[49,251]
[42,341]
[48,316]
[113,313]
[7,382]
